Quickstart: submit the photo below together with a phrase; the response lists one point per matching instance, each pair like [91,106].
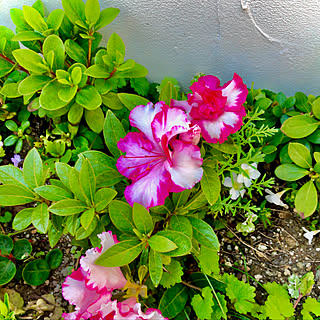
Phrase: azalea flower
[236,187]
[218,110]
[157,160]
[90,289]
[275,198]
[310,234]
[251,173]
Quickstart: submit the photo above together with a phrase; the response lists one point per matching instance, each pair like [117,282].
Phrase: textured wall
[275,43]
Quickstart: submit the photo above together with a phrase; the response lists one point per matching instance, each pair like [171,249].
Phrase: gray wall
[275,43]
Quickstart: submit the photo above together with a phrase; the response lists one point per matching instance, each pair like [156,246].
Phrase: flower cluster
[90,289]
[163,156]
[248,173]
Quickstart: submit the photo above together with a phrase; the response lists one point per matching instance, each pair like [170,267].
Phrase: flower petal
[192,136]
[236,93]
[150,190]
[100,277]
[141,117]
[141,156]
[186,168]
[74,290]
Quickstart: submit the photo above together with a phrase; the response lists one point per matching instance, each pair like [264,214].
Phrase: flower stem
[13,63]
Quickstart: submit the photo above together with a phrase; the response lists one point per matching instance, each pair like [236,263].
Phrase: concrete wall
[275,43]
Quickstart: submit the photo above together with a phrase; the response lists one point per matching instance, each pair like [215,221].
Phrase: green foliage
[202,304]
[172,275]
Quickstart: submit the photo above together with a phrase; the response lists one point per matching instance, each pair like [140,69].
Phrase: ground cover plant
[139,177]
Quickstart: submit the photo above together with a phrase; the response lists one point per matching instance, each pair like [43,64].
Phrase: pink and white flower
[162,157]
[249,173]
[90,290]
[218,110]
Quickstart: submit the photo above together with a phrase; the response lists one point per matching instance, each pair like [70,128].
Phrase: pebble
[258,277]
[300,265]
[287,272]
[262,247]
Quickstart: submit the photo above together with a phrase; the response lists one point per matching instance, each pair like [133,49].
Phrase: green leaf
[75,114]
[36,272]
[34,19]
[300,155]
[161,244]
[167,93]
[87,217]
[6,43]
[121,216]
[7,270]
[104,168]
[182,241]
[98,71]
[142,219]
[240,293]
[76,187]
[310,305]
[138,71]
[210,184]
[299,126]
[155,267]
[55,19]
[10,90]
[5,67]
[14,195]
[115,44]
[202,304]
[278,305]
[306,283]
[74,9]
[220,308]
[132,100]
[18,19]
[103,197]
[75,51]
[54,258]
[54,44]
[302,102]
[112,101]
[173,301]
[6,245]
[11,125]
[76,75]
[198,201]
[290,172]
[106,17]
[23,219]
[33,169]
[40,217]
[22,249]
[306,200]
[87,181]
[204,233]
[95,119]
[113,131]
[181,224]
[209,260]
[49,98]
[54,235]
[63,172]
[53,193]
[30,60]
[173,274]
[28,36]
[33,84]
[120,254]
[92,11]
[89,98]
[316,108]
[67,207]
[67,93]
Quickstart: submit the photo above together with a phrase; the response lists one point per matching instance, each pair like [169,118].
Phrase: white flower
[309,234]
[275,198]
[236,187]
[250,173]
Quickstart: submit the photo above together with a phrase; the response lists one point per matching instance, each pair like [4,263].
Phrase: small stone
[300,265]
[287,272]
[258,277]
[228,263]
[262,247]
[229,247]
